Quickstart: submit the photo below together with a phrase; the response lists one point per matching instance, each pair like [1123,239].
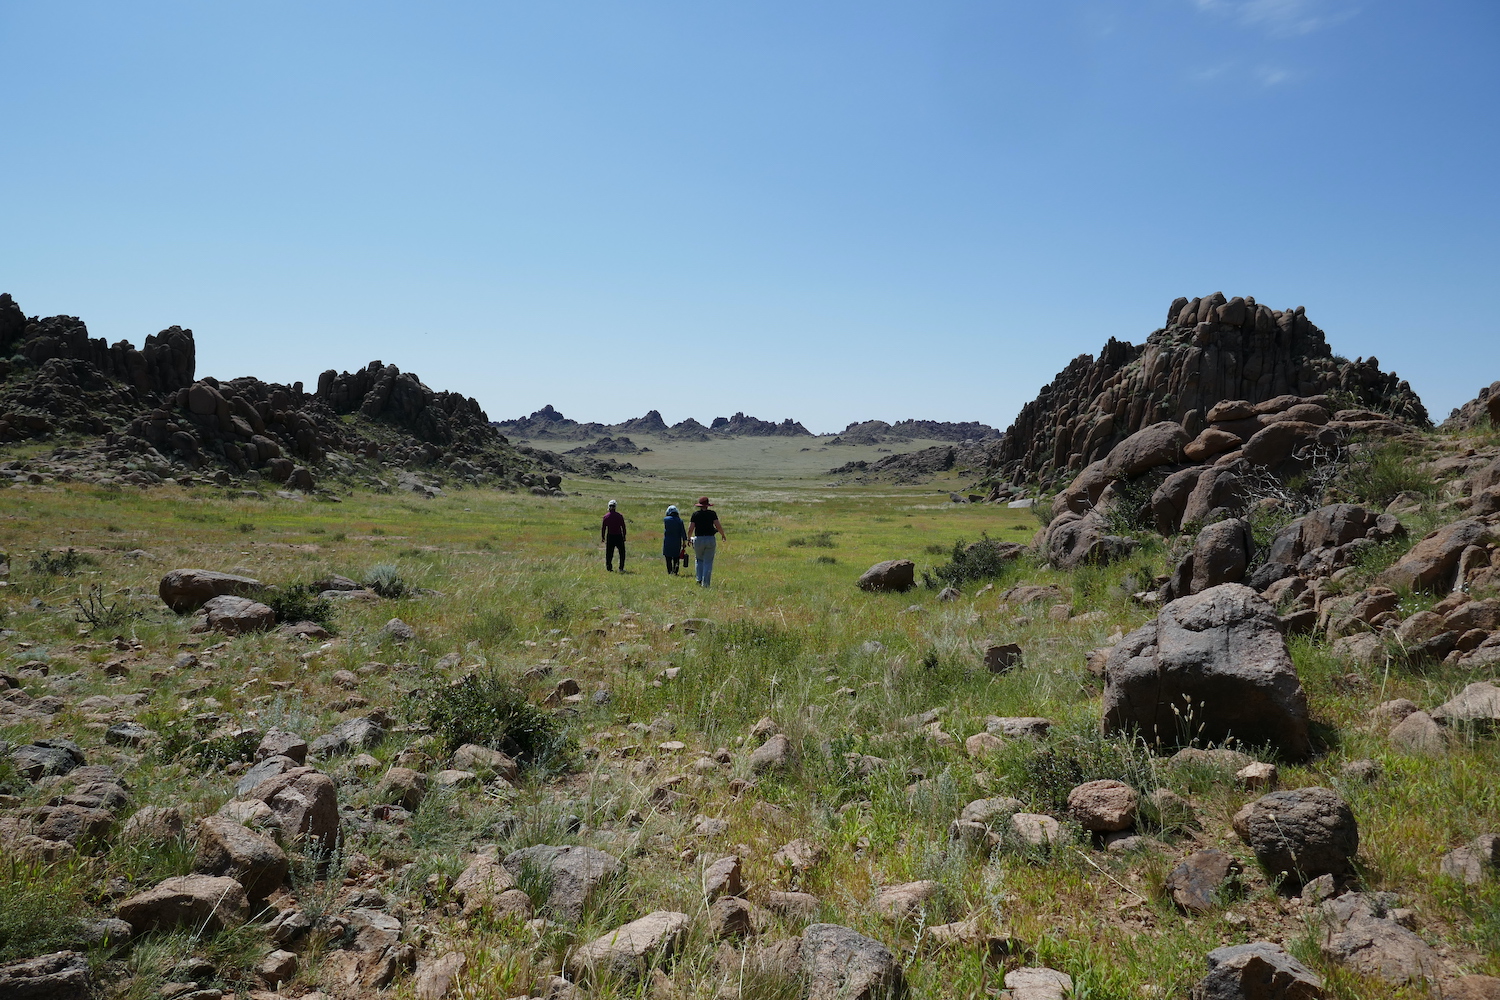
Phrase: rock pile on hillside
[155,418]
[1486,405]
[880,432]
[1210,350]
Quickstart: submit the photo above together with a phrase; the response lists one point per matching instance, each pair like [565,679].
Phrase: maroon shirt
[614,523]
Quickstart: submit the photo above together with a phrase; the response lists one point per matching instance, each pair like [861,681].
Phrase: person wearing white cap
[673,539]
[612,534]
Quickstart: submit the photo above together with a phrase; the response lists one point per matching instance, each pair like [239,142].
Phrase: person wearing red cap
[702,527]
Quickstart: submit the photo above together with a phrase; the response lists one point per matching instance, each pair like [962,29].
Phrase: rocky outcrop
[1209,351]
[152,411]
[1484,406]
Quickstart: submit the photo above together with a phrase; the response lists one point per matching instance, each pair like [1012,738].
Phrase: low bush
[1377,474]
[385,579]
[59,563]
[968,563]
[39,907]
[489,710]
[817,540]
[300,603]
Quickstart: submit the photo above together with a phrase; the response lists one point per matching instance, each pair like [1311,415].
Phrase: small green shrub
[982,560]
[1377,474]
[385,579]
[59,564]
[244,527]
[98,615]
[300,603]
[489,710]
[817,540]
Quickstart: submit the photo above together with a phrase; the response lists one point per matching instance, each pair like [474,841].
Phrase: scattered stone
[1478,705]
[1363,771]
[202,901]
[47,757]
[1359,933]
[722,878]
[1258,971]
[730,917]
[398,631]
[799,855]
[364,733]
[1030,983]
[1214,664]
[626,952]
[1258,777]
[1035,829]
[981,744]
[905,901]
[775,754]
[1000,658]
[402,786]
[1419,733]
[1200,880]
[482,884]
[436,977]
[1104,806]
[280,743]
[576,872]
[485,761]
[891,575]
[1302,833]
[276,968]
[841,964]
[1472,863]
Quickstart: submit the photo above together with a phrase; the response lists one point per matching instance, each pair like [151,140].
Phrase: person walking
[673,539]
[612,534]
[702,527]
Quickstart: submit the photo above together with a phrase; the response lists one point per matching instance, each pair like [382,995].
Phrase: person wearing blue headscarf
[673,540]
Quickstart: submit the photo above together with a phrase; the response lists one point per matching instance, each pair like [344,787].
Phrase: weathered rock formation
[1475,411]
[1210,350]
[156,416]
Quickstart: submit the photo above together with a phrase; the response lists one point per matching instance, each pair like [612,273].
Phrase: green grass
[509,581]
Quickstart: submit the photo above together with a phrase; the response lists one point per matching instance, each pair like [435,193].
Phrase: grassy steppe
[520,585]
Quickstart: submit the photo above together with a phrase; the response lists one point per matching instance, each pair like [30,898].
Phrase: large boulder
[1258,971]
[628,951]
[576,874]
[1146,449]
[187,590]
[303,801]
[1212,666]
[841,964]
[237,615]
[1359,933]
[1171,498]
[1218,487]
[205,902]
[1075,540]
[250,858]
[1477,705]
[1336,524]
[1300,834]
[1433,562]
[1221,553]
[61,975]
[893,574]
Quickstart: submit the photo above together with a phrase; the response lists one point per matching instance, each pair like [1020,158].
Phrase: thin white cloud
[1281,18]
[1274,76]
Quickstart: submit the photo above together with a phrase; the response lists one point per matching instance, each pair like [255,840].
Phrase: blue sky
[833,211]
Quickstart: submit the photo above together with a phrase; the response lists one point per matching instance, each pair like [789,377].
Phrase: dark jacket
[673,534]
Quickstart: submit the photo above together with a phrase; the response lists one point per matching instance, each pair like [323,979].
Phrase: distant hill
[549,423]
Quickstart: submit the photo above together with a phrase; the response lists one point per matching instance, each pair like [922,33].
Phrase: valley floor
[876,695]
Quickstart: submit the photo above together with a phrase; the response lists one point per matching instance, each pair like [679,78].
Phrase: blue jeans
[703,558]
